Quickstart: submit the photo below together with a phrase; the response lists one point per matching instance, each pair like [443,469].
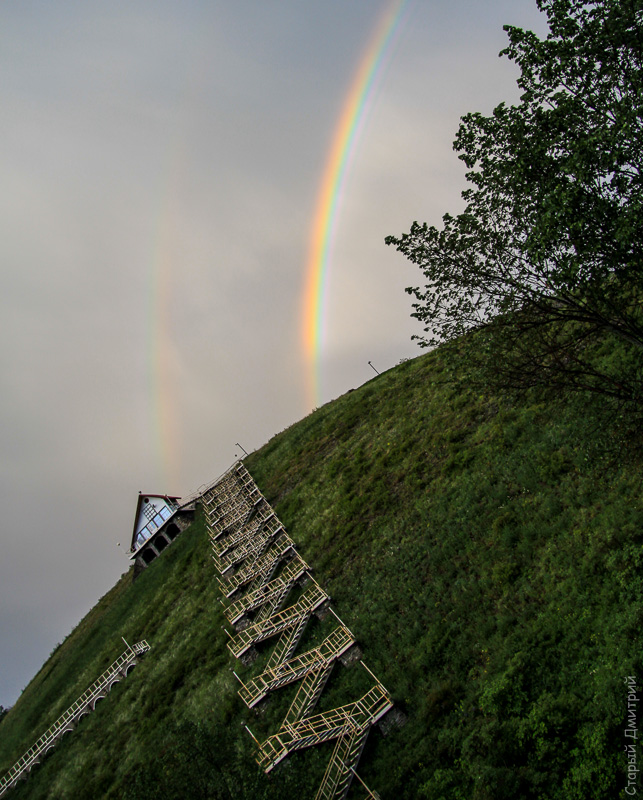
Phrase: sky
[161,166]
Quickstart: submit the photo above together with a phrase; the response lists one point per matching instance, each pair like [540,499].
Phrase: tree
[547,256]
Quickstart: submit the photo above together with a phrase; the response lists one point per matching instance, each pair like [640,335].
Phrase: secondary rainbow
[344,140]
[163,363]
[163,422]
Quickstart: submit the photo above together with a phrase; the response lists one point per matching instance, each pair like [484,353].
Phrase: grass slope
[487,556]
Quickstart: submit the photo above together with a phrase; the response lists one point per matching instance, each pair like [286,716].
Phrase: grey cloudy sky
[160,164]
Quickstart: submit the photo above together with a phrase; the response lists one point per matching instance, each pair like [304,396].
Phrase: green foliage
[467,542]
[486,554]
[548,251]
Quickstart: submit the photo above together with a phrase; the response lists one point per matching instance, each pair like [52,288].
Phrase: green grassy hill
[487,555]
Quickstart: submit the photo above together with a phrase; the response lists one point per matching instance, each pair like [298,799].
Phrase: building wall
[152,515]
[168,533]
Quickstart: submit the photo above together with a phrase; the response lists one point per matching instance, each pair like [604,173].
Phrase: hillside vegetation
[486,553]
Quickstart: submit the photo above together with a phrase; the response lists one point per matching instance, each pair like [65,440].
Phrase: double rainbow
[163,417]
[344,140]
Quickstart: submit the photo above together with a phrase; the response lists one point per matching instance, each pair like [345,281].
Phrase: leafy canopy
[548,250]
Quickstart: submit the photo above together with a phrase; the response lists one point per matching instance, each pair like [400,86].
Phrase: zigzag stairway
[259,569]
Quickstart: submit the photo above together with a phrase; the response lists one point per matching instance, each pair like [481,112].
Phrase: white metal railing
[206,488]
[51,735]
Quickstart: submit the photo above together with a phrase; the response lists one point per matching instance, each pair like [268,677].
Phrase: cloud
[157,147]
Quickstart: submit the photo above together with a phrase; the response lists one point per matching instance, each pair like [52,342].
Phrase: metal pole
[370,793]
[258,743]
[337,616]
[379,682]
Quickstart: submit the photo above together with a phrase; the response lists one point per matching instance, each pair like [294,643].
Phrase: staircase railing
[246,535]
[84,703]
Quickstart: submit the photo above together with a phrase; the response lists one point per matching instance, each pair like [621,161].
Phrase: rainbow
[344,140]
[163,421]
[163,362]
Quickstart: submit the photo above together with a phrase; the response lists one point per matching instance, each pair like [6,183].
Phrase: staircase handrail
[51,733]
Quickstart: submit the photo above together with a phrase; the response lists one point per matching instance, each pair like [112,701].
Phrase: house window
[141,538]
